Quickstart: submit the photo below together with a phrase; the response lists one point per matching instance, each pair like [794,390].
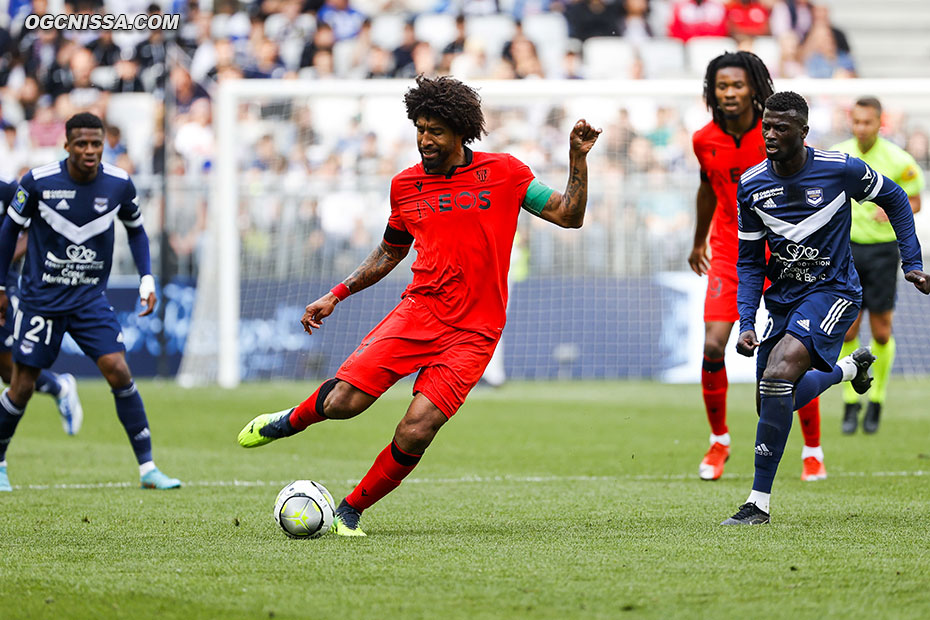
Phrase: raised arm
[567,209]
[379,263]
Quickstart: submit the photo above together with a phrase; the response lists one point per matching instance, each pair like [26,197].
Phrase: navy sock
[775,415]
[813,383]
[47,383]
[10,415]
[131,414]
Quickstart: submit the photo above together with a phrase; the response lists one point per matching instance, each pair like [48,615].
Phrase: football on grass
[304,509]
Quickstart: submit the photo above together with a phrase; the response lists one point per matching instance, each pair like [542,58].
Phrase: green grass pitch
[550,500]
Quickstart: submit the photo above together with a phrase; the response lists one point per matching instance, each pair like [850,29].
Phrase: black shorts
[877,265]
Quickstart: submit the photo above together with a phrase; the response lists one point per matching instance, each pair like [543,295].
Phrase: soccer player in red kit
[736,86]
[460,207]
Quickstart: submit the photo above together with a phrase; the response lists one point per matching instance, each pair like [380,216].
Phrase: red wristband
[341,291]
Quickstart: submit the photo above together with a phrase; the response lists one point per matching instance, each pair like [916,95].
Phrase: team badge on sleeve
[19,199]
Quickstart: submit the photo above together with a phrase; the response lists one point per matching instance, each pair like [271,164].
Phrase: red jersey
[463,225]
[723,159]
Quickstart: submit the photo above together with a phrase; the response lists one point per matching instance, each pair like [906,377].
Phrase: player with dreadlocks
[736,86]
[461,207]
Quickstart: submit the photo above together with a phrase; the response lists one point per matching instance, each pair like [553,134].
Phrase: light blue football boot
[157,480]
[4,480]
[69,405]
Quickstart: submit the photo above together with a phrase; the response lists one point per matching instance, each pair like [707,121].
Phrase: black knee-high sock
[10,415]
[775,415]
[131,413]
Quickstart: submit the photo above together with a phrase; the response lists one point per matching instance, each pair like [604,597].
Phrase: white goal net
[300,197]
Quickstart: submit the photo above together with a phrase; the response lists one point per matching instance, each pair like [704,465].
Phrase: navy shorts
[37,336]
[819,321]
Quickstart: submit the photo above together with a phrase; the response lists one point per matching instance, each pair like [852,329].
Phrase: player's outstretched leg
[267,427]
[63,388]
[853,368]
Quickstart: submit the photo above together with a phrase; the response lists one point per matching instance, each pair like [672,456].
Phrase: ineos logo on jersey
[463,200]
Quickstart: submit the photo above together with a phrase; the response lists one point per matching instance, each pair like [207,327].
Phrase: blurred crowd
[156,91]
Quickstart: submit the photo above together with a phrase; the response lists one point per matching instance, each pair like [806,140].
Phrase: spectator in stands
[455,47]
[344,20]
[113,145]
[265,64]
[472,62]
[14,157]
[424,61]
[403,53]
[151,54]
[323,65]
[380,64]
[790,16]
[697,18]
[790,64]
[358,55]
[918,145]
[46,129]
[127,77]
[747,18]
[106,52]
[634,25]
[323,39]
[593,18]
[116,150]
[825,50]
[572,67]
[194,139]
[186,91]
[84,93]
[58,78]
[526,63]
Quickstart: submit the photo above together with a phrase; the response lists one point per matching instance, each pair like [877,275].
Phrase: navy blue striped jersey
[805,219]
[70,250]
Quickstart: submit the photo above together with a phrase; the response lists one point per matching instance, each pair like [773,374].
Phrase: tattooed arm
[567,209]
[378,264]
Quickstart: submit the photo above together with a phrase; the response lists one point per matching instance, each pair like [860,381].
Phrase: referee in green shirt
[875,253]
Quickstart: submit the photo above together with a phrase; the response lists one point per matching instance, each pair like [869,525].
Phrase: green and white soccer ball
[304,509]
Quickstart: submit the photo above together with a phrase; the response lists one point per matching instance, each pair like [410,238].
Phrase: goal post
[299,195]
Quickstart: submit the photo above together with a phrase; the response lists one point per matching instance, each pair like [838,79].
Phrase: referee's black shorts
[877,265]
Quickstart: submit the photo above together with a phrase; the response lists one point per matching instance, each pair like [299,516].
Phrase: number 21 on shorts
[39,328]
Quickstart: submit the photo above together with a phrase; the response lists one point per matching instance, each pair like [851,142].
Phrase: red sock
[311,410]
[714,386]
[809,415]
[385,475]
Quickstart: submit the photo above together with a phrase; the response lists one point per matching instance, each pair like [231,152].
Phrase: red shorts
[720,301]
[410,338]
